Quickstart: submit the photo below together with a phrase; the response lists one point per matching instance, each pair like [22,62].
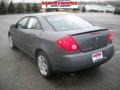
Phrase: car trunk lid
[91,38]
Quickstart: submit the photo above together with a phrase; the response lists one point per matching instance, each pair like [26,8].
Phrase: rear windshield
[67,22]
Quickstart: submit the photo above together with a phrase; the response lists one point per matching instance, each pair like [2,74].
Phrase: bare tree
[6,1]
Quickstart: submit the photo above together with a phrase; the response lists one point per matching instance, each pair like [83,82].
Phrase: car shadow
[81,78]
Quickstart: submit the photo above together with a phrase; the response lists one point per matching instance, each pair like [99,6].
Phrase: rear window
[67,22]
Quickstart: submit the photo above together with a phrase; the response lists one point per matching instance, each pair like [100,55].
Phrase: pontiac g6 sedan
[61,42]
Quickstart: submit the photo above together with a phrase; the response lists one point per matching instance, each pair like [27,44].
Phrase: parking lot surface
[19,72]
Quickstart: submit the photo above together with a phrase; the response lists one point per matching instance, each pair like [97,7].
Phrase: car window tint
[22,23]
[32,23]
[38,27]
[67,22]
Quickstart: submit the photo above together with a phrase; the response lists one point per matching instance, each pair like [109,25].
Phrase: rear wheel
[11,43]
[44,65]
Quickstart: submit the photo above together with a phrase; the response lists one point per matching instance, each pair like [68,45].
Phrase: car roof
[47,14]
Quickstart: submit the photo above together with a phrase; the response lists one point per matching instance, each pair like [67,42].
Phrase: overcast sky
[37,1]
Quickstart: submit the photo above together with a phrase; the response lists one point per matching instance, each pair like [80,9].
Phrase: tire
[44,65]
[11,43]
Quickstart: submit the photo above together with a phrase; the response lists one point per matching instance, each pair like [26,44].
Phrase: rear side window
[32,23]
[22,22]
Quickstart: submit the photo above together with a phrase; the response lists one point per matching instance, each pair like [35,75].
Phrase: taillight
[110,37]
[67,43]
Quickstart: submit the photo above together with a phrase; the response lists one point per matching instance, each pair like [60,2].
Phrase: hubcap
[10,41]
[42,64]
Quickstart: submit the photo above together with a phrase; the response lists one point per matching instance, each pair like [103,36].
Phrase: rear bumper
[79,61]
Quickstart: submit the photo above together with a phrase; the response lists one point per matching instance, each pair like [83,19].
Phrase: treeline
[115,3]
[19,8]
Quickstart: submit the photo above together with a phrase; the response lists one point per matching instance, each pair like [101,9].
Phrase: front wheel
[44,65]
[11,43]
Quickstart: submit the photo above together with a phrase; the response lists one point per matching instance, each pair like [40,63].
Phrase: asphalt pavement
[19,72]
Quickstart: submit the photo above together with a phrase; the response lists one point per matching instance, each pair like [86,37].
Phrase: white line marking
[117,52]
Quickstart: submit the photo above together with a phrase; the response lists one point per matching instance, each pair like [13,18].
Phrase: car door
[18,30]
[33,28]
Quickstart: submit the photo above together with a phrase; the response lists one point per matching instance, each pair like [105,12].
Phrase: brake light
[110,37]
[67,43]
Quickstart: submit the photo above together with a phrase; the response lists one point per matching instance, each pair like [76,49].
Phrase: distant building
[99,8]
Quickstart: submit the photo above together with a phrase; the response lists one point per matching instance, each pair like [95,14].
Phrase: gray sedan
[61,42]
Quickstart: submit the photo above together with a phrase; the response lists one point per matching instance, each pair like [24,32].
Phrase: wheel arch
[41,50]
[38,50]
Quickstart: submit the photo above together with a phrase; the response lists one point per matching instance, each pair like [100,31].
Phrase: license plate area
[97,56]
